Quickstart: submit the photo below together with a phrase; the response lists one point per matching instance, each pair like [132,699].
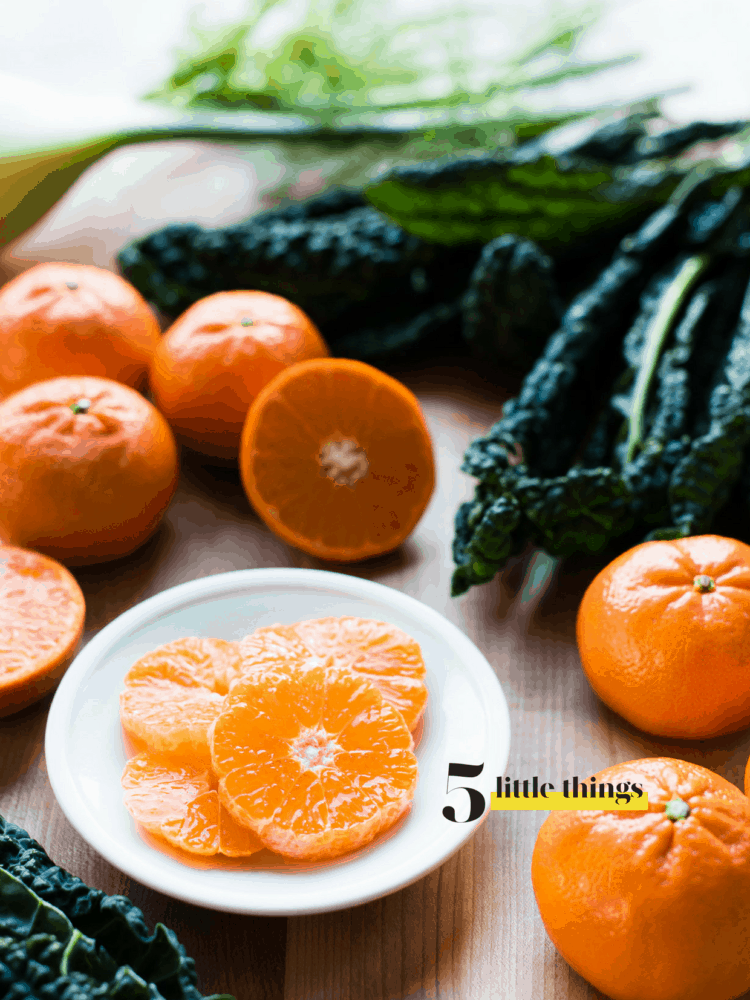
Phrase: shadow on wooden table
[112,587]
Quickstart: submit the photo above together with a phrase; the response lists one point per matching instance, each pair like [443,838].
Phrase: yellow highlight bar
[556,801]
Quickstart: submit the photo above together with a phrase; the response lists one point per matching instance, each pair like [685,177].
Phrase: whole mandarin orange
[87,469]
[214,360]
[652,905]
[664,632]
[73,319]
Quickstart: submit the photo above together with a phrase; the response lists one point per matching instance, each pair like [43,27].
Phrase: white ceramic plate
[466,722]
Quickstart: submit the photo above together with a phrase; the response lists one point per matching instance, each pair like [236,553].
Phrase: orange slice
[173,694]
[177,800]
[384,654]
[42,612]
[312,759]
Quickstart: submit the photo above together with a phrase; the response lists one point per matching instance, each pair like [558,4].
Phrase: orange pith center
[343,461]
[314,749]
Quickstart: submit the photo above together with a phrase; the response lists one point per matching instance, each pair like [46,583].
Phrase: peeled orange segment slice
[178,801]
[382,653]
[273,646]
[312,759]
[173,694]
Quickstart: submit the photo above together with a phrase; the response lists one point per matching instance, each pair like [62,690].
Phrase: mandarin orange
[87,469]
[652,905]
[217,356]
[42,612]
[382,653]
[663,633]
[73,319]
[312,759]
[337,459]
[177,799]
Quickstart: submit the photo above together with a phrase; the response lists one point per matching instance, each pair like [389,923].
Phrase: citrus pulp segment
[312,759]
[382,653]
[177,800]
[173,694]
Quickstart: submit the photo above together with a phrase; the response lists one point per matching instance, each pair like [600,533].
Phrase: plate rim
[206,588]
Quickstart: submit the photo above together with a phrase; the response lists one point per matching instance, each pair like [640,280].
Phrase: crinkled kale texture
[634,423]
[62,940]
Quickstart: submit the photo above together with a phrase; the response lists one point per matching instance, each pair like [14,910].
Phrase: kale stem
[656,335]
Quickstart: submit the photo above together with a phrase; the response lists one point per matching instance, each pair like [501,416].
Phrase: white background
[125,47]
[87,62]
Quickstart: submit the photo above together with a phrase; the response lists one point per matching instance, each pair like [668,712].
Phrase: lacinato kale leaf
[579,512]
[637,411]
[78,966]
[558,190]
[512,305]
[546,420]
[99,937]
[702,481]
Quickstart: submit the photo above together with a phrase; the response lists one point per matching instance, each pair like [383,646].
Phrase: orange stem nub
[704,584]
[677,809]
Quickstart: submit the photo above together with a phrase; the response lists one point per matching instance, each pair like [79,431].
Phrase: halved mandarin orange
[337,460]
[384,654]
[312,759]
[177,800]
[173,694]
[42,612]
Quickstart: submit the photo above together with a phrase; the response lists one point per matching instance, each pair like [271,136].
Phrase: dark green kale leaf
[666,440]
[579,512]
[485,536]
[78,966]
[433,328]
[559,190]
[703,480]
[604,485]
[117,927]
[511,307]
[548,418]
[323,263]
[373,289]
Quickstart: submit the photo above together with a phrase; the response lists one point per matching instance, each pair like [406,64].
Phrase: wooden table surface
[470,930]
